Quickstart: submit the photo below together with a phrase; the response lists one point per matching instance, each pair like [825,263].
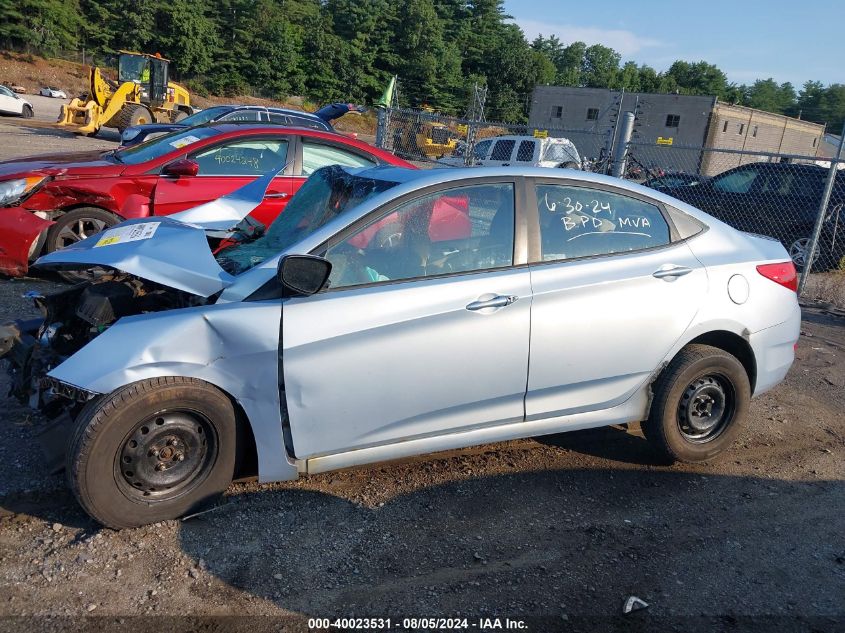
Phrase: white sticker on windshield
[131,233]
[182,142]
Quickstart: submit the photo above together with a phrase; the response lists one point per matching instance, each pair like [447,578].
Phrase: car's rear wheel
[151,451]
[700,400]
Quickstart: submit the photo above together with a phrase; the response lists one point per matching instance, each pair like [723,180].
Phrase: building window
[592,114]
[754,131]
[672,120]
[741,128]
[558,112]
[725,127]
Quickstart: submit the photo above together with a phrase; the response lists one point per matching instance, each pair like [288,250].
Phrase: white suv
[522,151]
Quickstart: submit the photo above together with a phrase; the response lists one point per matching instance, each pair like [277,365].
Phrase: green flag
[387,96]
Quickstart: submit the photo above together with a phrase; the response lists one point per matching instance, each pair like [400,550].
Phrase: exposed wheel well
[82,205]
[735,345]
[246,455]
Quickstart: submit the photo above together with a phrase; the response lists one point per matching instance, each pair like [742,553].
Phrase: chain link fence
[778,195]
[770,194]
[430,137]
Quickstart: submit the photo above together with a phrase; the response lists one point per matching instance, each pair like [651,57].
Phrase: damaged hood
[71,164]
[158,249]
[169,250]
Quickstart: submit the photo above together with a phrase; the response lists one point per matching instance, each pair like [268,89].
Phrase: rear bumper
[774,350]
[19,230]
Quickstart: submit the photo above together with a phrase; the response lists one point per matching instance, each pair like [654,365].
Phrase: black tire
[180,114]
[682,424]
[131,114]
[161,414]
[27,113]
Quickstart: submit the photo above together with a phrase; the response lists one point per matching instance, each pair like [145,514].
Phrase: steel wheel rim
[706,408]
[166,455]
[79,230]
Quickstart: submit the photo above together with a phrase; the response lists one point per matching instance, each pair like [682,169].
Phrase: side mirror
[181,167]
[303,275]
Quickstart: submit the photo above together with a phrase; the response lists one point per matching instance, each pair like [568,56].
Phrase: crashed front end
[72,318]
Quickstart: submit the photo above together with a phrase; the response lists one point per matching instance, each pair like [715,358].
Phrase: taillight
[782,273]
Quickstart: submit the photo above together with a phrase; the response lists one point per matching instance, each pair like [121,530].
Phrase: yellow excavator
[142,94]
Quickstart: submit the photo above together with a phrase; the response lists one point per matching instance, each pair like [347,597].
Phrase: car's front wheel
[27,112]
[154,450]
[700,399]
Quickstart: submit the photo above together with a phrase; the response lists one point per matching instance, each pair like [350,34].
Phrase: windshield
[162,145]
[561,152]
[204,116]
[326,194]
[132,68]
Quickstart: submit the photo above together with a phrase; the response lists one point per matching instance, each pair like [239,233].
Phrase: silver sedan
[391,312]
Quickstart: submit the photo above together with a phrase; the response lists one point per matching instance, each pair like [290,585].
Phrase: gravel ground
[562,526]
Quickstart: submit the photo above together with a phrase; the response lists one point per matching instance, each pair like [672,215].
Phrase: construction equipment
[141,95]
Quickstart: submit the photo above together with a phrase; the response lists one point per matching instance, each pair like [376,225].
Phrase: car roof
[225,127]
[289,111]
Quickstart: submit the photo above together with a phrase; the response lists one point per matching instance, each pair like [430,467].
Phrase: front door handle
[276,195]
[496,302]
[671,271]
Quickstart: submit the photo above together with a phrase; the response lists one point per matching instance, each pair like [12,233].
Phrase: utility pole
[475,115]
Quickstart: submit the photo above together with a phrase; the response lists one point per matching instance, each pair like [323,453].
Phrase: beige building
[740,128]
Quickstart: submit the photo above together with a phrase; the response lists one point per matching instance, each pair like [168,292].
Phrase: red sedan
[55,200]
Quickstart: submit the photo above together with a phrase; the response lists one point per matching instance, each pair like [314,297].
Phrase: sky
[748,39]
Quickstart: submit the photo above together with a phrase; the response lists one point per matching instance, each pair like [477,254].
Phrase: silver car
[389,313]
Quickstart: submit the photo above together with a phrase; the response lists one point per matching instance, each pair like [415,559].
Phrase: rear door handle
[496,302]
[671,271]
[276,195]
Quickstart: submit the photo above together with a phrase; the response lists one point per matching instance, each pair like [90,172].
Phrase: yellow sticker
[108,240]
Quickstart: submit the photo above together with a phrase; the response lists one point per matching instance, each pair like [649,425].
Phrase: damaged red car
[48,202]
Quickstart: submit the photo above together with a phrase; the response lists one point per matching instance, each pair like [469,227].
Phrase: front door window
[453,231]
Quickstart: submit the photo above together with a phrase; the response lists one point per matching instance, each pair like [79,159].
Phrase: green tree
[601,67]
[698,78]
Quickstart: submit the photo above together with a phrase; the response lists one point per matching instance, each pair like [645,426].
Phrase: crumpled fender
[233,346]
[19,228]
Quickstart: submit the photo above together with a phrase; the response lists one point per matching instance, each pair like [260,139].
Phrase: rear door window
[737,182]
[502,150]
[525,151]
[317,155]
[582,222]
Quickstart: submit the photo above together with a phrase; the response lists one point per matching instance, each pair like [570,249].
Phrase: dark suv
[780,200]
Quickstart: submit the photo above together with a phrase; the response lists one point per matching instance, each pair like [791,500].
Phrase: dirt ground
[563,527]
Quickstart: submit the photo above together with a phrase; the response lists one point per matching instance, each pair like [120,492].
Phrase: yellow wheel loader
[141,95]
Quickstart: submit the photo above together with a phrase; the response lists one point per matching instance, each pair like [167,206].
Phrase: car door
[789,199]
[733,197]
[419,335]
[612,294]
[226,166]
[9,104]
